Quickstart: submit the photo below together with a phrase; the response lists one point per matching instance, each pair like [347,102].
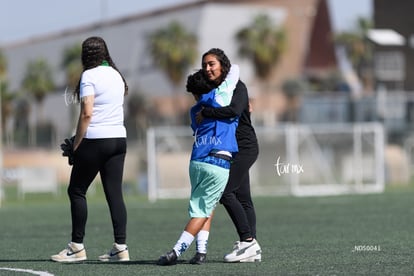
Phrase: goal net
[299,160]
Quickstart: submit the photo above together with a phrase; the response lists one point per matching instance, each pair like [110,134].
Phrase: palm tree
[6,102]
[173,50]
[39,82]
[6,99]
[38,79]
[293,89]
[136,119]
[72,65]
[3,70]
[263,43]
[3,64]
[3,86]
[358,48]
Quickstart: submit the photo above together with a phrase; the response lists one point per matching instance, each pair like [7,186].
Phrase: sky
[21,19]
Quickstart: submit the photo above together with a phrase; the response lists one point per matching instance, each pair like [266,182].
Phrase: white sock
[120,247]
[183,243]
[202,241]
[77,245]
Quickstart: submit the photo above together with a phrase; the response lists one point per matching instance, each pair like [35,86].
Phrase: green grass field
[340,235]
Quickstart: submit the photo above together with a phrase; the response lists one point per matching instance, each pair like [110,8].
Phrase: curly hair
[222,58]
[95,53]
[198,84]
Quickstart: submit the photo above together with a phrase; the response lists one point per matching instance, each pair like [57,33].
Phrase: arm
[238,103]
[84,119]
[224,91]
[87,96]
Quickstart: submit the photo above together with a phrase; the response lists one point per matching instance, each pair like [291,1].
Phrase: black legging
[107,157]
[237,198]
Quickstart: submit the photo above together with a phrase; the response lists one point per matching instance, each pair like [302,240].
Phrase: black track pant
[237,198]
[107,157]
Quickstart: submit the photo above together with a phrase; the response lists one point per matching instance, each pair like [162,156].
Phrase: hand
[67,148]
[250,107]
[199,116]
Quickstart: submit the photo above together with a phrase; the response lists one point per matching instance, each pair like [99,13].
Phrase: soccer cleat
[169,258]
[199,258]
[257,258]
[73,253]
[116,254]
[244,252]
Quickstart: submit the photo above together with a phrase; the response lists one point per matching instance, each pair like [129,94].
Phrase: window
[389,66]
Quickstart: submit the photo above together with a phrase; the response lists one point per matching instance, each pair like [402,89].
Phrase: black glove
[67,148]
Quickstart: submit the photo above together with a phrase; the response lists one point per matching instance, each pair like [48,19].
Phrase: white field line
[40,273]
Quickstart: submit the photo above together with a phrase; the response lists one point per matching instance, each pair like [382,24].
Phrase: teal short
[207,185]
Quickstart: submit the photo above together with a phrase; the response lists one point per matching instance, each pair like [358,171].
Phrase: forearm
[85,117]
[224,91]
[236,107]
[83,124]
[219,112]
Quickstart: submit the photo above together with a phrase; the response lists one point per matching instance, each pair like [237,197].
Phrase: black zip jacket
[239,106]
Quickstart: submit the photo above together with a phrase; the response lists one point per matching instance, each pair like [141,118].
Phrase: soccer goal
[299,160]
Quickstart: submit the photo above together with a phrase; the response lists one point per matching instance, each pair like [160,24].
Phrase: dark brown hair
[222,58]
[95,53]
[198,84]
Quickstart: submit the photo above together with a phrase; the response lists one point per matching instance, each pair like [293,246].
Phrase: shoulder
[89,74]
[91,71]
[207,96]
[241,89]
[99,72]
[240,85]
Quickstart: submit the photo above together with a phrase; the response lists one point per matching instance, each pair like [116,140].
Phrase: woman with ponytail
[99,147]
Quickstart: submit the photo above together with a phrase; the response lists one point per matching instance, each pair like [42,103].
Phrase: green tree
[3,65]
[6,103]
[263,43]
[173,50]
[136,119]
[6,96]
[293,90]
[72,64]
[358,48]
[38,79]
[3,85]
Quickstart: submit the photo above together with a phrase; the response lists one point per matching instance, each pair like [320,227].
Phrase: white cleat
[73,253]
[118,253]
[244,252]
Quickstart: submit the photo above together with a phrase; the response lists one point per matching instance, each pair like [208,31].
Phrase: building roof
[386,37]
[307,24]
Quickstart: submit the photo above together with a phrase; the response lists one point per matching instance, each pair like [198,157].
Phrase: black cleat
[199,258]
[170,258]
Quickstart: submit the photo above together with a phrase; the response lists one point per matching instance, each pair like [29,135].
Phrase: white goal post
[294,159]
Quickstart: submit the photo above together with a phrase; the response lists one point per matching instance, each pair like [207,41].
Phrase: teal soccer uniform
[209,174]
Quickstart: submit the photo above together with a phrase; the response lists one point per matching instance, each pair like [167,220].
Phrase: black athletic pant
[237,198]
[107,157]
